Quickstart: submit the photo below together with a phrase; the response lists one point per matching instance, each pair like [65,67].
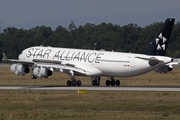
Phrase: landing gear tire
[78,83]
[94,82]
[98,84]
[69,83]
[117,82]
[33,77]
[112,82]
[74,83]
[108,82]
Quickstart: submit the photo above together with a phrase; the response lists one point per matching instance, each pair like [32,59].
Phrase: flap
[47,61]
[61,68]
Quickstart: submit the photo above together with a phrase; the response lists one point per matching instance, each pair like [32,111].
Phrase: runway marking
[82,91]
[100,88]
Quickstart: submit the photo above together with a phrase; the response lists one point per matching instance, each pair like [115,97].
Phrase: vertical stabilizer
[160,43]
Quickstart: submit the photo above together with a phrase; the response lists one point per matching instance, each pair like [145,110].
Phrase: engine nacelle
[19,69]
[164,69]
[43,72]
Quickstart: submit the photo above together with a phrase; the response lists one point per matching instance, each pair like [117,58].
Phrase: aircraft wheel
[73,83]
[94,82]
[69,83]
[98,83]
[33,77]
[117,82]
[78,83]
[108,82]
[112,83]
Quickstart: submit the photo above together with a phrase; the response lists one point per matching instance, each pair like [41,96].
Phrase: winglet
[4,57]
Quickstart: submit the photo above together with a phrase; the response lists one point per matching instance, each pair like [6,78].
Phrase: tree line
[127,38]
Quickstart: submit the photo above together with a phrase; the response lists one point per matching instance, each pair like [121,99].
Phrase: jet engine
[42,72]
[164,69]
[19,69]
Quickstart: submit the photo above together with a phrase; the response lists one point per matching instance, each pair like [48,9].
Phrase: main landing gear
[73,82]
[95,81]
[112,82]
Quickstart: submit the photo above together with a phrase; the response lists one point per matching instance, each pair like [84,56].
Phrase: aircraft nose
[20,57]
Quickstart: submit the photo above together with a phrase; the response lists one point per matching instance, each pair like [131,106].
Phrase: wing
[29,63]
[61,68]
[53,65]
[80,70]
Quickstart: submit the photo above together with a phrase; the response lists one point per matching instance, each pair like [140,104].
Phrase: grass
[56,115]
[68,105]
[94,104]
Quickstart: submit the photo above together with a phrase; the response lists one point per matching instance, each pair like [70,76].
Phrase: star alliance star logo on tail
[160,42]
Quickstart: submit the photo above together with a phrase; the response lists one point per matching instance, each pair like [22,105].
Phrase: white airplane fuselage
[96,63]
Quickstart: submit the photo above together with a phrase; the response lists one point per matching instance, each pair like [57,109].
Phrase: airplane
[43,61]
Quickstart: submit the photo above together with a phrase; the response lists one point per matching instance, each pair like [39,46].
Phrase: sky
[27,14]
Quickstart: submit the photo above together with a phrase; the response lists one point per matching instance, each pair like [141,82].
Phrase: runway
[97,88]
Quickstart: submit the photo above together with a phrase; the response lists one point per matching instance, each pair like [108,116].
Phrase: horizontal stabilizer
[176,60]
[152,61]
